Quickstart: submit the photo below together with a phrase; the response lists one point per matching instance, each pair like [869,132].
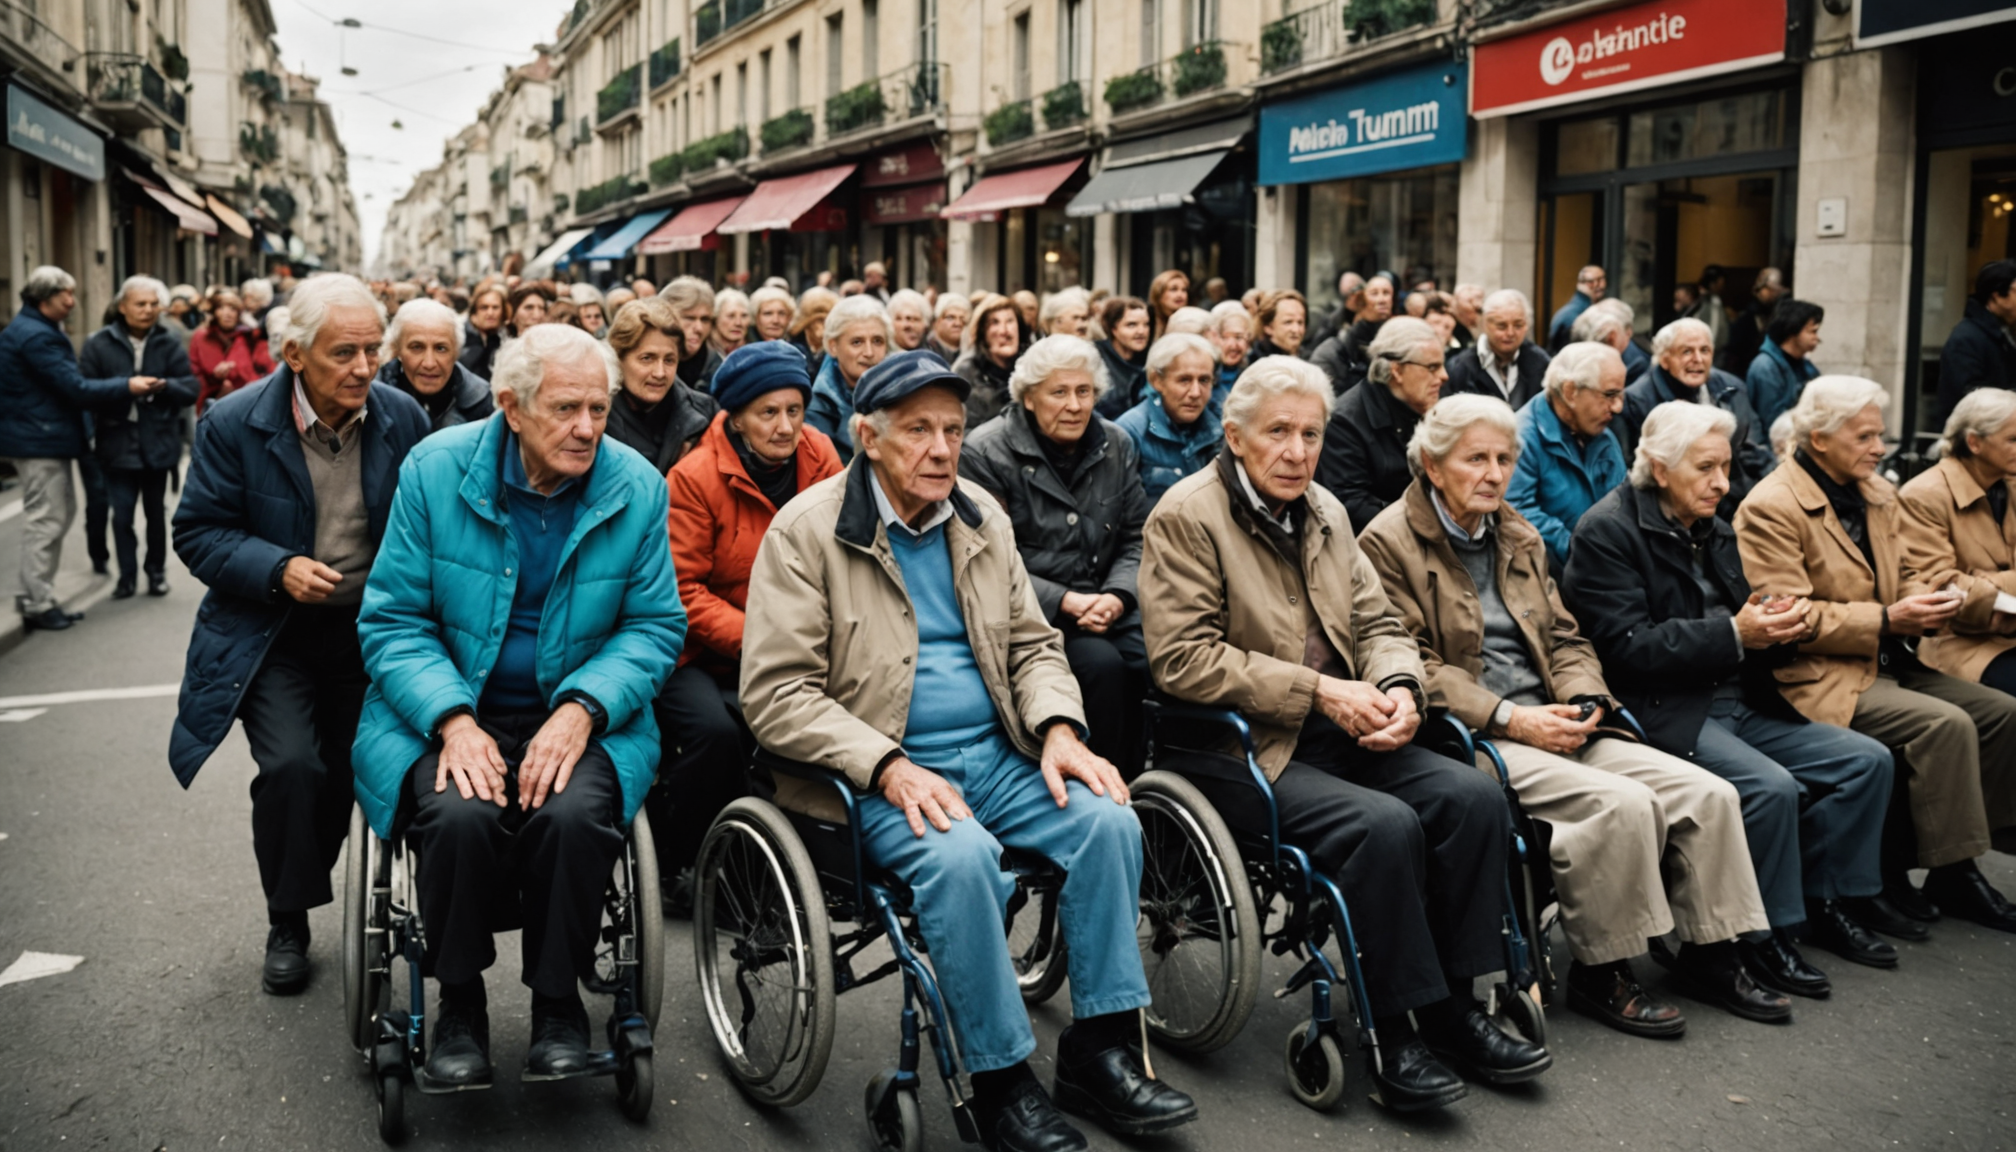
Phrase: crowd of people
[509,562]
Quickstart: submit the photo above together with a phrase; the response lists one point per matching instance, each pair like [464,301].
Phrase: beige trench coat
[1950,537]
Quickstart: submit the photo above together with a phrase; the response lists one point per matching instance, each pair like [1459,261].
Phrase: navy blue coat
[140,431]
[247,507]
[43,397]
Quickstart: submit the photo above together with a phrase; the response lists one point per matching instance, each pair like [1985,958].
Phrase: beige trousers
[1958,739]
[1643,843]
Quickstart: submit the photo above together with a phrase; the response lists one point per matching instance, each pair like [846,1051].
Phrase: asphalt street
[161,1039]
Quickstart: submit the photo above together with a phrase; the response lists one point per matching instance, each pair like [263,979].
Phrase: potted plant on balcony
[1131,90]
[1009,123]
[1281,45]
[1199,69]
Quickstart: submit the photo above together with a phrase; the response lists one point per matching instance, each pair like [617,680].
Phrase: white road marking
[87,695]
[9,510]
[17,715]
[35,965]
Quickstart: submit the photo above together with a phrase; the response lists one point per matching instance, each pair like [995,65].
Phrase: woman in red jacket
[754,457]
[226,357]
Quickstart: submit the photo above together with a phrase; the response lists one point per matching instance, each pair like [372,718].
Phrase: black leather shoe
[286,970]
[1486,1052]
[1829,925]
[559,1041]
[1113,1089]
[52,620]
[1777,965]
[157,585]
[461,1056]
[123,590]
[1411,1079]
[1724,981]
[1881,914]
[1961,890]
[1909,901]
[1028,1122]
[1611,993]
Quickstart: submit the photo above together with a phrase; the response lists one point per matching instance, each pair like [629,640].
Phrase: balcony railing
[27,30]
[714,17]
[793,129]
[1009,123]
[271,88]
[130,89]
[620,95]
[665,62]
[261,143]
[1199,69]
[1064,105]
[702,155]
[1327,30]
[916,90]
[608,192]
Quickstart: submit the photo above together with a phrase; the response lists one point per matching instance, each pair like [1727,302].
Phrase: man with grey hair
[1683,355]
[1568,457]
[1590,283]
[289,485]
[43,401]
[1611,321]
[1468,308]
[1504,362]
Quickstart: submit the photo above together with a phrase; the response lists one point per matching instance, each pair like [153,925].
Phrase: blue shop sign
[48,134]
[1405,119]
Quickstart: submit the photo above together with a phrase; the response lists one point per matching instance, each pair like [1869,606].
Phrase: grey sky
[432,88]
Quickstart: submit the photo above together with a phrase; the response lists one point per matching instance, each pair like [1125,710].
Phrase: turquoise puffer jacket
[439,598]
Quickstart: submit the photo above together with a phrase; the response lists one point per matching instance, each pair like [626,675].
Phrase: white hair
[1828,402]
[1505,298]
[1056,302]
[768,293]
[909,298]
[1670,431]
[1398,339]
[856,309]
[582,294]
[45,282]
[1580,364]
[421,311]
[308,307]
[146,283]
[1228,311]
[521,368]
[687,292]
[1191,319]
[1781,437]
[257,292]
[1599,324]
[1272,376]
[949,302]
[1665,338]
[728,298]
[1058,353]
[276,321]
[1981,412]
[1444,424]
[1168,348]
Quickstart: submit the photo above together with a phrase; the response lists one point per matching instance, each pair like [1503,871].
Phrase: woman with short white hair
[1958,526]
[693,298]
[1175,427]
[856,335]
[771,309]
[1364,448]
[1658,581]
[1826,527]
[948,326]
[1065,312]
[909,319]
[421,357]
[1071,484]
[591,309]
[1231,332]
[731,321]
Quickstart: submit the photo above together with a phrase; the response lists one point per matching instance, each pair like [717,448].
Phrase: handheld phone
[1588,710]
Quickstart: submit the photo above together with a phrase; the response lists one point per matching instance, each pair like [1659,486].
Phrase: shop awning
[541,265]
[780,205]
[691,229]
[230,217]
[1144,187]
[620,242]
[1026,188]
[184,215]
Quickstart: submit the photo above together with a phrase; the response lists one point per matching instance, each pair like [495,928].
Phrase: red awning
[902,205]
[783,204]
[1026,188]
[186,216]
[691,230]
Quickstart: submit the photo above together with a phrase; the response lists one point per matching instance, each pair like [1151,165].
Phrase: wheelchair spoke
[1184,940]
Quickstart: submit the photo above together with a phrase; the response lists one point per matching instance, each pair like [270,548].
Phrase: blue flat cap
[902,375]
[755,369]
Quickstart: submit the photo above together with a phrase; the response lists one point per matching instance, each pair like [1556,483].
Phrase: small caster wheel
[1524,1013]
[897,1126]
[633,1086]
[391,1109]
[1315,1072]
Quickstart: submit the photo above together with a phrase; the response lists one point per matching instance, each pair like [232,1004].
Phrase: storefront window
[1043,250]
[1970,220]
[1585,146]
[1751,122]
[1404,223]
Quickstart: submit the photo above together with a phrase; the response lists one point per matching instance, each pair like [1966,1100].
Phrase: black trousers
[1416,841]
[2001,673]
[704,766]
[300,716]
[148,488]
[1112,675]
[97,509]
[485,868]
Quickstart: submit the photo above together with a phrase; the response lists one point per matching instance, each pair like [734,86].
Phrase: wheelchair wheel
[898,1125]
[366,963]
[1199,932]
[1524,1013]
[633,1086]
[632,928]
[1316,1072]
[763,949]
[391,1109]
[1034,942]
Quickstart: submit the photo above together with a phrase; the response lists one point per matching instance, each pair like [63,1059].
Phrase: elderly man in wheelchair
[520,617]
[893,637]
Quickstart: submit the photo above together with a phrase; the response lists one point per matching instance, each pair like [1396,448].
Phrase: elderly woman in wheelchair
[1469,579]
[1256,598]
[893,638]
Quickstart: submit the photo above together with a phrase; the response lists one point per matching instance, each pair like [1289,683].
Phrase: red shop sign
[902,205]
[908,166]
[1624,49]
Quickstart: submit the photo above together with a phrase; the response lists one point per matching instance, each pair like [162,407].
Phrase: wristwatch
[597,715]
[1501,719]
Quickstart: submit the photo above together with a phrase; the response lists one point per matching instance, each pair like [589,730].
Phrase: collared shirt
[938,512]
[1286,520]
[139,343]
[1454,529]
[1505,375]
[306,419]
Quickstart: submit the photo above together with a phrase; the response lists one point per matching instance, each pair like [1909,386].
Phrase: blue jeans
[961,892]
[1814,797]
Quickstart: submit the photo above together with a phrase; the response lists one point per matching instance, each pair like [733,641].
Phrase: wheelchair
[769,887]
[1212,898]
[381,920]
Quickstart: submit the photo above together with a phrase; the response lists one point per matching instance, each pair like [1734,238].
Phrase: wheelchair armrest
[849,800]
[1630,724]
[1442,732]
[1162,708]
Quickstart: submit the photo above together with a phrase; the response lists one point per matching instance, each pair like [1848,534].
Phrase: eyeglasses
[1435,365]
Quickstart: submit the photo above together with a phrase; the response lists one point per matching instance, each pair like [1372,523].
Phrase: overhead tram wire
[351,22]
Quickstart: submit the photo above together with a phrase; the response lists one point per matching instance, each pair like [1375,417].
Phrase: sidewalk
[77,587]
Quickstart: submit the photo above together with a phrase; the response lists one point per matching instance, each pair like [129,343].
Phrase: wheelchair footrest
[599,1064]
[431,1087]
